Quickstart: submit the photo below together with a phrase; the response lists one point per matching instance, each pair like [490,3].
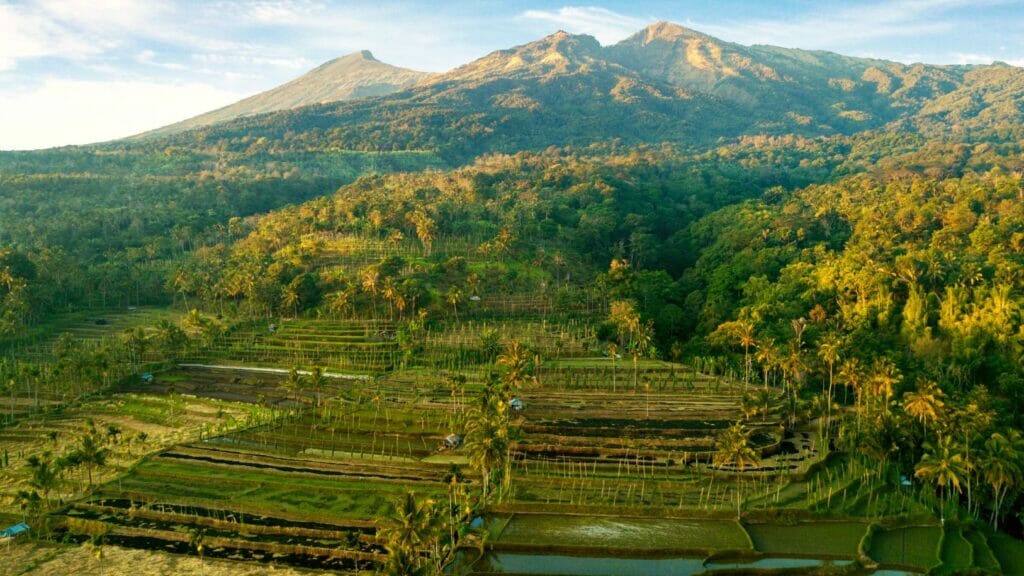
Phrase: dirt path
[35,559]
[273,371]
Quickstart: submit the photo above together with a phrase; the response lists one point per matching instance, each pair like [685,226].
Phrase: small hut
[451,442]
[12,531]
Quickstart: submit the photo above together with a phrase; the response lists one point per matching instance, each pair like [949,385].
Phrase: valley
[667,305]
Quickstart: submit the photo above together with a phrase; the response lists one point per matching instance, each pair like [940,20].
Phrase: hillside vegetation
[711,300]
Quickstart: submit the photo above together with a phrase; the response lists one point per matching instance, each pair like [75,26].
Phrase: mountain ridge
[663,83]
[356,75]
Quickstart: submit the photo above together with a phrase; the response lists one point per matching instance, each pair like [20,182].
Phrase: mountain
[357,75]
[816,88]
[559,90]
[665,83]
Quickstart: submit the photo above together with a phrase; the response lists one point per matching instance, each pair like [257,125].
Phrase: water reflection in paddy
[564,565]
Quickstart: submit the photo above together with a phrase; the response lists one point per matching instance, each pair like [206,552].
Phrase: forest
[437,331]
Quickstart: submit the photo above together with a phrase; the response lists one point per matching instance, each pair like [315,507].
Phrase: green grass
[1009,552]
[983,557]
[915,546]
[957,553]
[815,538]
[268,492]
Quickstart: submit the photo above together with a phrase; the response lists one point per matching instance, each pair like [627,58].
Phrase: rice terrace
[624,299]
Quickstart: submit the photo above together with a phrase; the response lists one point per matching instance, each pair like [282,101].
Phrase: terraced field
[357,346]
[308,485]
[306,490]
[89,328]
[143,424]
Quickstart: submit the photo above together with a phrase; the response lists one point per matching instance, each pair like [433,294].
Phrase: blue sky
[77,71]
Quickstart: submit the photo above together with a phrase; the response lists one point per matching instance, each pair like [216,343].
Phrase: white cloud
[60,112]
[961,58]
[247,59]
[846,26]
[605,25]
[90,16]
[25,34]
[149,58]
[278,12]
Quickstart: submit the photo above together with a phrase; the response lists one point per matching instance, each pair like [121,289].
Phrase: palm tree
[746,338]
[613,352]
[97,535]
[487,441]
[516,361]
[400,562]
[425,228]
[29,502]
[641,344]
[339,301]
[767,357]
[410,523]
[293,383]
[884,377]
[45,474]
[316,382]
[454,297]
[369,283]
[944,465]
[925,404]
[135,343]
[197,541]
[732,448]
[389,291]
[1002,467]
[820,409]
[793,369]
[290,299]
[750,406]
[828,351]
[89,452]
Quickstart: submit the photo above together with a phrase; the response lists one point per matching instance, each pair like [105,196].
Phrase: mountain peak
[355,75]
[556,53]
[563,42]
[353,58]
[667,31]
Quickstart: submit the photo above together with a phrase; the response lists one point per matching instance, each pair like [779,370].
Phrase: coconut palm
[732,448]
[851,375]
[487,441]
[411,523]
[767,357]
[925,404]
[640,346]
[89,452]
[828,351]
[419,537]
[746,339]
[293,383]
[45,474]
[516,360]
[883,380]
[454,297]
[197,541]
[943,464]
[1002,467]
[339,301]
[613,353]
[370,283]
[389,291]
[316,382]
